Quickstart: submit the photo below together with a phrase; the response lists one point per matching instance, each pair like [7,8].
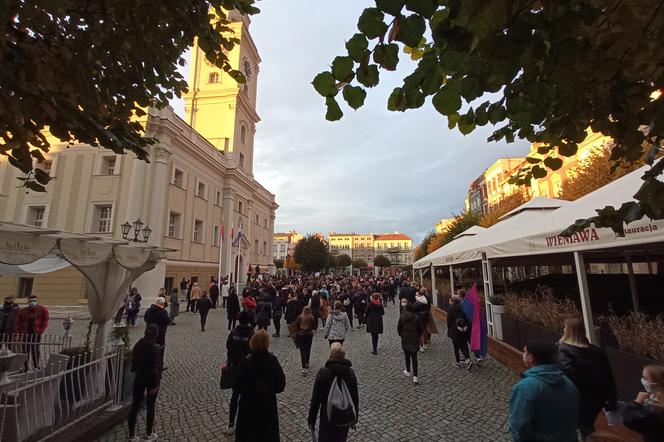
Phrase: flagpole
[221,248]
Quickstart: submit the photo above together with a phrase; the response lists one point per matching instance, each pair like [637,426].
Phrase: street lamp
[138,229]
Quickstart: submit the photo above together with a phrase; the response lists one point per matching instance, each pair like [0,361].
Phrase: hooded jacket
[337,325]
[291,310]
[410,329]
[544,406]
[324,378]
[7,319]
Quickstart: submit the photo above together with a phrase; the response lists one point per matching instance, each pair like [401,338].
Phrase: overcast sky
[374,170]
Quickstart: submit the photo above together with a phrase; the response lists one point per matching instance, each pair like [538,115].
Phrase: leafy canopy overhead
[543,71]
[83,68]
[343,260]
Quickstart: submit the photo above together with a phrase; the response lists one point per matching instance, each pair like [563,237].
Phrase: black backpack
[461,324]
[341,411]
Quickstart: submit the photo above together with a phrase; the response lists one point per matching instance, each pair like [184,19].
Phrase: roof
[537,203]
[393,237]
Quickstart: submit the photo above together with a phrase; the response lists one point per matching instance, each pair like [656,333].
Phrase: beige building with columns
[199,182]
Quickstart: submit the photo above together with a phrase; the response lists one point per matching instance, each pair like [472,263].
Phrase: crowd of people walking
[563,389]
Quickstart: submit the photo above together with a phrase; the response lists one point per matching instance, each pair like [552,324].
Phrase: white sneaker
[151,437]
[415,381]
[406,373]
[421,349]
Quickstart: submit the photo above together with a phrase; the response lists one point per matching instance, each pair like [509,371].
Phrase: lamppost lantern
[146,233]
[138,230]
[67,323]
[6,357]
[126,227]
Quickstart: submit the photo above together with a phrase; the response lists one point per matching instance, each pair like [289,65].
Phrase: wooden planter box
[517,332]
[627,368]
[511,331]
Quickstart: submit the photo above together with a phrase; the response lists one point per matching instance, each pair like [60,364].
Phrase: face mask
[32,303]
[646,384]
[403,304]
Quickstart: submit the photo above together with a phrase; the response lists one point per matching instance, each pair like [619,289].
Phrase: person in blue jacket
[544,404]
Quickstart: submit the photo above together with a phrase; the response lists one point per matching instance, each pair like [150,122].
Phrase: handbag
[227,378]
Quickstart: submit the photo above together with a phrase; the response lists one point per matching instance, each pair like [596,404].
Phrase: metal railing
[46,403]
[38,348]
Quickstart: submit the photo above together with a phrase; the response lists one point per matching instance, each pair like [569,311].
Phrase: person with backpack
[409,329]
[337,325]
[335,398]
[259,379]
[588,368]
[133,306]
[458,328]
[374,320]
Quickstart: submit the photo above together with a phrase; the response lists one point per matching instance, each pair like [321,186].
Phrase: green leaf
[538,172]
[411,30]
[496,113]
[397,100]
[387,56]
[533,160]
[354,96]
[342,68]
[368,75]
[425,8]
[392,7]
[42,176]
[414,98]
[543,149]
[447,100]
[452,120]
[567,149]
[470,88]
[433,80]
[481,117]
[466,128]
[333,110]
[371,23]
[553,163]
[357,47]
[325,84]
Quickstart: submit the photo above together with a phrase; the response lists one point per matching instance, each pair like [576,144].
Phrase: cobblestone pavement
[449,404]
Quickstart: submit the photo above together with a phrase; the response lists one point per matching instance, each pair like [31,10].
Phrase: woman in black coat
[336,367]
[588,368]
[264,312]
[374,320]
[260,378]
[410,329]
[232,307]
[458,329]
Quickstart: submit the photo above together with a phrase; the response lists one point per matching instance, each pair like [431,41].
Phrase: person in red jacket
[31,322]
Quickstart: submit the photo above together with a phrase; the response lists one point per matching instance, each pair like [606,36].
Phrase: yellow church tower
[218,107]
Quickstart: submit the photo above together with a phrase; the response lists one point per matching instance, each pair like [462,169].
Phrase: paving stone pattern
[449,404]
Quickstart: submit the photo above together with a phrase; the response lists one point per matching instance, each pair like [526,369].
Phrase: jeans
[131,316]
[203,319]
[411,356]
[305,349]
[231,323]
[316,318]
[223,301]
[139,392]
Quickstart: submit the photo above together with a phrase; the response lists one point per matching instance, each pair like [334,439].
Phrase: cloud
[373,170]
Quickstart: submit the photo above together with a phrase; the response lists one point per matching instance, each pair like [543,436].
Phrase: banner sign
[23,248]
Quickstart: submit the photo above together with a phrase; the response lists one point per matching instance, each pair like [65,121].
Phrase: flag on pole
[236,240]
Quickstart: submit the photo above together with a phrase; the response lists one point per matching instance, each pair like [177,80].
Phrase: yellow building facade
[198,183]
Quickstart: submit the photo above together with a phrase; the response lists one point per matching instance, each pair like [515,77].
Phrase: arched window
[214,77]
[243,134]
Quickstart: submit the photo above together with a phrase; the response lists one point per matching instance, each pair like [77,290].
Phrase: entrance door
[169,283]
